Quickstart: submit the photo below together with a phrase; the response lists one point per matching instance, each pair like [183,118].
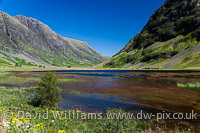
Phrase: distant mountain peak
[28,41]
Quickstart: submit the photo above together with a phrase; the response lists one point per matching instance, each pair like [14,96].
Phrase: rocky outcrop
[36,41]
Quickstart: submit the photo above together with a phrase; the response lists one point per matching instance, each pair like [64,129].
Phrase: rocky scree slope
[27,41]
[170,39]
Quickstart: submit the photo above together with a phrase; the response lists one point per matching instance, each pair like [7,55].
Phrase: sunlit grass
[190,85]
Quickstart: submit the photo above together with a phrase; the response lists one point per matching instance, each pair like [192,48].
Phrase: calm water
[131,90]
[150,91]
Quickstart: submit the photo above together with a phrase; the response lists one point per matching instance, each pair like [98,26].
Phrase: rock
[36,41]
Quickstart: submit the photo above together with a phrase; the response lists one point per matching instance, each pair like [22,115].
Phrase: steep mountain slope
[170,39]
[27,41]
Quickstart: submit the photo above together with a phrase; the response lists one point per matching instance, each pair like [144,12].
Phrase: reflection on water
[93,102]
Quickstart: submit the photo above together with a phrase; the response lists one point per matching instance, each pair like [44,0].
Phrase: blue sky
[107,25]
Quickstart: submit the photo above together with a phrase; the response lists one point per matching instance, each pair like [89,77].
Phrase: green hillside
[170,39]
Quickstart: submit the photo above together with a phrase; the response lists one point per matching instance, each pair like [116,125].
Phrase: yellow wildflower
[31,128]
[41,126]
[46,108]
[34,129]
[37,125]
[14,119]
[27,120]
[107,129]
[13,98]
[61,131]
[19,122]
[41,123]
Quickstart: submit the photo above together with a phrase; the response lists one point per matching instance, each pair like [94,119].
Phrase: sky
[106,25]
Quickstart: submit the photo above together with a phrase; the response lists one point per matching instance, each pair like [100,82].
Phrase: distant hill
[170,39]
[27,41]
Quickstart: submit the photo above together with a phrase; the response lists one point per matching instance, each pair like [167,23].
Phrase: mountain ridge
[23,38]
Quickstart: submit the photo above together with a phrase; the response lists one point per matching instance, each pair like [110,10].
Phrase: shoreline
[28,68]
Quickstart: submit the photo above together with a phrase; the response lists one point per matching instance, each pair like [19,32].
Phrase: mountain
[170,39]
[27,41]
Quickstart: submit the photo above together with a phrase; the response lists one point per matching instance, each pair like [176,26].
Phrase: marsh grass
[189,85]
[70,80]
[4,73]
[74,92]
[12,80]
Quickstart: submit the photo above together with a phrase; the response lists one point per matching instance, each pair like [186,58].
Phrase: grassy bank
[36,68]
[16,100]
[97,67]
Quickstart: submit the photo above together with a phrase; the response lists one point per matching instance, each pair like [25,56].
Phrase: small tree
[48,91]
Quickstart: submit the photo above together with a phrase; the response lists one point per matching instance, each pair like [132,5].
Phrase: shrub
[48,92]
[141,126]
